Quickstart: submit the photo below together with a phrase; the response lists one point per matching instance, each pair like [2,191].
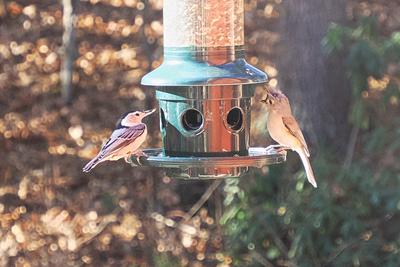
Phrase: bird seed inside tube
[207,23]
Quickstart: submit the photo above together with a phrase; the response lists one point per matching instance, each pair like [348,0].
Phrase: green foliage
[352,218]
[369,55]
[164,260]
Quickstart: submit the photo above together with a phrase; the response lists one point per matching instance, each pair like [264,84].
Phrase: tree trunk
[68,49]
[315,83]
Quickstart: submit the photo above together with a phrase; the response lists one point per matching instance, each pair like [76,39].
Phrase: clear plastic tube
[203,23]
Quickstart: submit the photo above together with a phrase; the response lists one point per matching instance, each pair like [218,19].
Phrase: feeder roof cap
[175,72]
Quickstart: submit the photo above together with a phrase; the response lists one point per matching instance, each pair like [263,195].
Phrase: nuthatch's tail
[88,167]
[307,166]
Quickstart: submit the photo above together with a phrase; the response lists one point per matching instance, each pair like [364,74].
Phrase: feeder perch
[204,88]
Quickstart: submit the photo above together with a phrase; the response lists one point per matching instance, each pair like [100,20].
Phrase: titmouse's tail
[307,166]
[88,167]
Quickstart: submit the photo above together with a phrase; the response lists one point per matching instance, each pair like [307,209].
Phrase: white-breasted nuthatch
[128,136]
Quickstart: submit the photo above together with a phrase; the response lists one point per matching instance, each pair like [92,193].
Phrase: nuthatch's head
[132,118]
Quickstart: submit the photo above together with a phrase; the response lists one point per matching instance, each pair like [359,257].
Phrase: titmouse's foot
[276,148]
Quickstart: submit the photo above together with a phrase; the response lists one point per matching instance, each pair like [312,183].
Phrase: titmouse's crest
[276,93]
[273,92]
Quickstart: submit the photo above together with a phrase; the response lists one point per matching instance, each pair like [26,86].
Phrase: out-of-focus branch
[202,200]
[279,244]
[99,229]
[351,147]
[2,8]
[68,49]
[261,260]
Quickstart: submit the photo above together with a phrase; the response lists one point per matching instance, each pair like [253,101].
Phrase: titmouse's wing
[294,128]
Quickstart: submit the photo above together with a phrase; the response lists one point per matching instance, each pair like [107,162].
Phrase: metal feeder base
[208,167]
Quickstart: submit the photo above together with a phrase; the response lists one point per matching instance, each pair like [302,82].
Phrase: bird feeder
[204,88]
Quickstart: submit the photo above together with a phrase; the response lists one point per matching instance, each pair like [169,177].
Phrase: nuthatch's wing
[121,138]
[293,127]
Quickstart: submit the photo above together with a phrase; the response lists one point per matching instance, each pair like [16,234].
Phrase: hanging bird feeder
[204,89]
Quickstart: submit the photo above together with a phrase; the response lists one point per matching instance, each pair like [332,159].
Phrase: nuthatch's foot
[140,154]
[128,159]
[134,163]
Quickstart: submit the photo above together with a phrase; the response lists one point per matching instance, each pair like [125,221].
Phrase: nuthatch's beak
[148,112]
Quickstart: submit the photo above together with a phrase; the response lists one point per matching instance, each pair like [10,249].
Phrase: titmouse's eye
[137,114]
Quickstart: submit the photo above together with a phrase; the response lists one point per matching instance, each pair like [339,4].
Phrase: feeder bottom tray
[208,167]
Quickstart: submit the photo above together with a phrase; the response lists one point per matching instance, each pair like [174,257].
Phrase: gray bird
[285,130]
[128,136]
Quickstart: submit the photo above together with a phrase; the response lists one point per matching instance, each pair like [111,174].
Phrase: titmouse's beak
[150,111]
[266,98]
[269,96]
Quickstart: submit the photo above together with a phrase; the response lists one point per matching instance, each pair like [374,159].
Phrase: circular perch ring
[209,167]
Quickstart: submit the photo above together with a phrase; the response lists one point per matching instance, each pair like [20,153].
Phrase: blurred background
[339,63]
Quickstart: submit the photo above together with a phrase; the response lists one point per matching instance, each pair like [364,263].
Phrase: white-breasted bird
[284,129]
[128,136]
